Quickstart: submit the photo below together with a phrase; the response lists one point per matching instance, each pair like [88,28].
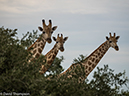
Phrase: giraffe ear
[40,28]
[54,28]
[65,38]
[54,38]
[117,37]
[107,38]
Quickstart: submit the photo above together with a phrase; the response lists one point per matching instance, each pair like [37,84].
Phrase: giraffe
[84,69]
[50,56]
[38,46]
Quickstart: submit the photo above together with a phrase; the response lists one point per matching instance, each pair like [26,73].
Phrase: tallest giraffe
[38,46]
[82,70]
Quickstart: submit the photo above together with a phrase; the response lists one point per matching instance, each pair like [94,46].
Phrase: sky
[85,22]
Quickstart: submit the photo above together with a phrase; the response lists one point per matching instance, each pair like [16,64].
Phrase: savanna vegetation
[19,76]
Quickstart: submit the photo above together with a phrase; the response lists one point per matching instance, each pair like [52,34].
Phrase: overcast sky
[85,22]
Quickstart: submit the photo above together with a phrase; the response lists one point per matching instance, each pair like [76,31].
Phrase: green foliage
[106,82]
[17,75]
[29,38]
[80,59]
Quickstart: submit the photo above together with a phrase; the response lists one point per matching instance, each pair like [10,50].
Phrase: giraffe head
[113,41]
[47,30]
[60,42]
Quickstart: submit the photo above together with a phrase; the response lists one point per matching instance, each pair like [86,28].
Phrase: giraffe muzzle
[49,40]
[117,48]
[61,49]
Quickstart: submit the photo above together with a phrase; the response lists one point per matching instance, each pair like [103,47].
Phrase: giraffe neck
[37,48]
[93,59]
[50,56]
[89,63]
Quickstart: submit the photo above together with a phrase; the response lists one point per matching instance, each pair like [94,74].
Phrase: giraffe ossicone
[38,46]
[92,60]
[50,56]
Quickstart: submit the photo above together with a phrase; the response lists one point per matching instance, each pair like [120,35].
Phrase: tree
[106,83]
[16,74]
[19,76]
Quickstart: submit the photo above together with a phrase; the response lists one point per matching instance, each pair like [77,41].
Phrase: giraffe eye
[43,32]
[110,41]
